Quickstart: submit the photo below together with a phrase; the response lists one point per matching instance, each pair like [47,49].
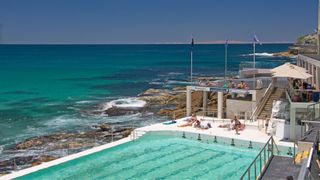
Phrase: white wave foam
[265,54]
[83,102]
[156,83]
[64,121]
[127,103]
[177,82]
[174,73]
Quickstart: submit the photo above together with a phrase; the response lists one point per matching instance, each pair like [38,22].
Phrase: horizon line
[155,43]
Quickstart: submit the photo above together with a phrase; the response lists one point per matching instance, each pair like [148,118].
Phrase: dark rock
[114,111]
[105,127]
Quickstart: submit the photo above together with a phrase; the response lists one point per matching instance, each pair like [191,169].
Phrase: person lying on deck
[204,127]
[190,121]
[197,124]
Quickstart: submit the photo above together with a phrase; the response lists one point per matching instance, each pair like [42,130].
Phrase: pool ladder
[135,134]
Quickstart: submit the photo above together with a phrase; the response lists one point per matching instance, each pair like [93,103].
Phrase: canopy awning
[290,71]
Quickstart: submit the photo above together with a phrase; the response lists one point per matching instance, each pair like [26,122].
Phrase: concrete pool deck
[250,133]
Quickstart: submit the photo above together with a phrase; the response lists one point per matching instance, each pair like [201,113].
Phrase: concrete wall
[259,94]
[235,107]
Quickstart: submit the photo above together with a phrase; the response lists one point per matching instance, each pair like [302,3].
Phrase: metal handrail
[264,99]
[311,110]
[266,152]
[295,144]
[310,168]
[292,93]
[135,134]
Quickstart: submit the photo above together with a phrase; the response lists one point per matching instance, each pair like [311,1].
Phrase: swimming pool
[156,156]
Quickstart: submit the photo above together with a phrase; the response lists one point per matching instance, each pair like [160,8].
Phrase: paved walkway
[281,167]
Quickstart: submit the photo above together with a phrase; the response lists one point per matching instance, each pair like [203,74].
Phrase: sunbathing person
[197,124]
[190,121]
[204,127]
[224,126]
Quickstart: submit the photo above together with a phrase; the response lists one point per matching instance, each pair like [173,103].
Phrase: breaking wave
[125,103]
[264,54]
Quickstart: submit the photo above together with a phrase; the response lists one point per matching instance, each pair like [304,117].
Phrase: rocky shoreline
[160,102]
[288,54]
[36,150]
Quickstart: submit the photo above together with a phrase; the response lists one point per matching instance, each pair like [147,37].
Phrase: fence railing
[258,166]
[313,112]
[312,117]
[222,83]
[310,168]
[304,96]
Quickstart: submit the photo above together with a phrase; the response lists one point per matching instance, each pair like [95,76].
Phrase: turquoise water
[51,88]
[156,157]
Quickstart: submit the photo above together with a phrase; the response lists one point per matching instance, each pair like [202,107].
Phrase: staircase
[276,94]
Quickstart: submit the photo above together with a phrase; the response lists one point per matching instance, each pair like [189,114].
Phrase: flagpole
[225,62]
[254,65]
[191,59]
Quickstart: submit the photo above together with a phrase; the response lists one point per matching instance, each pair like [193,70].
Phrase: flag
[226,44]
[192,43]
[255,39]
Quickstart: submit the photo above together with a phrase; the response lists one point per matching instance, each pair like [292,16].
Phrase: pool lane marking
[217,167]
[199,162]
[203,148]
[168,163]
[244,167]
[159,156]
[217,159]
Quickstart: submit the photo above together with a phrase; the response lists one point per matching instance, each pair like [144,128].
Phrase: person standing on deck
[266,124]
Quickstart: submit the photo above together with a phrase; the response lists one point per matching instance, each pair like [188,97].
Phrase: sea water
[50,88]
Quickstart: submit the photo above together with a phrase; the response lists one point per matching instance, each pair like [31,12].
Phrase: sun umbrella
[290,71]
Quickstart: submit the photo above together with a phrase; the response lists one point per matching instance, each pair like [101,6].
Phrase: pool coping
[19,173]
[151,128]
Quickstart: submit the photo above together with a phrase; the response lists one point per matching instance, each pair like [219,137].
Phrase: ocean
[46,89]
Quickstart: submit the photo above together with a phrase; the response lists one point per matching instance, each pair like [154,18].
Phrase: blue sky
[151,21]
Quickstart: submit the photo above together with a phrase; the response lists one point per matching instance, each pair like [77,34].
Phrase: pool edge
[64,159]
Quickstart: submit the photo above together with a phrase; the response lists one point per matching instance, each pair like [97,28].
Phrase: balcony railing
[258,165]
[305,96]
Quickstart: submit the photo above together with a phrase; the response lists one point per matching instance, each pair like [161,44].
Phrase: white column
[316,113]
[220,105]
[188,102]
[317,77]
[292,123]
[306,65]
[205,102]
[313,74]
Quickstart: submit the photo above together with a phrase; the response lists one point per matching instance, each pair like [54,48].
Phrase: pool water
[156,157]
